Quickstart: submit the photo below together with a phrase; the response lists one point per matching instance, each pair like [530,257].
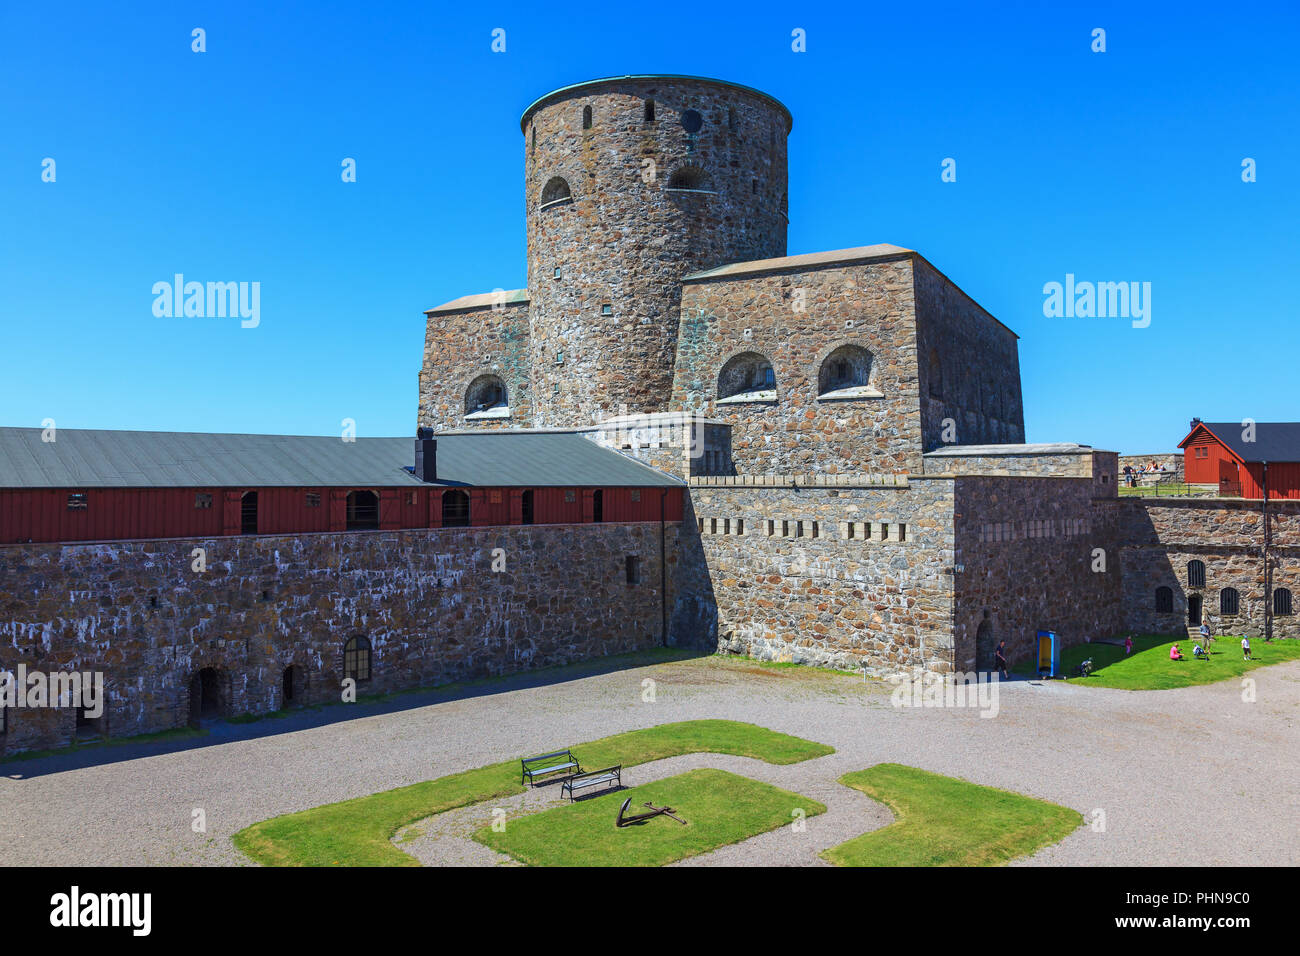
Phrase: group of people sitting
[1131,473]
[1200,649]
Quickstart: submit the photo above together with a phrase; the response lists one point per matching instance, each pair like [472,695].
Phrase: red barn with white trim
[1242,458]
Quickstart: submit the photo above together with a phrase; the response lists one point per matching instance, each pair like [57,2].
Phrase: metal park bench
[593,778]
[560,761]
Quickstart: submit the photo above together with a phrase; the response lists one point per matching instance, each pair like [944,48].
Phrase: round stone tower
[632,183]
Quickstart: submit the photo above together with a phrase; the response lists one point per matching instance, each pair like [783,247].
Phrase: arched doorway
[1194,610]
[291,686]
[248,513]
[985,646]
[207,700]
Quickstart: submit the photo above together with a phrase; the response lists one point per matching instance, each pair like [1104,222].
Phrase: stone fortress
[850,422]
[816,458]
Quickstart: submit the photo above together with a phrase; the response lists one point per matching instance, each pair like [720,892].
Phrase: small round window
[692,121]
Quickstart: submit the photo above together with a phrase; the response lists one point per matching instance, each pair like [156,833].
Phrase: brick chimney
[426,455]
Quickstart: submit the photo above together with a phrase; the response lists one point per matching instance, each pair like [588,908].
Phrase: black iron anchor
[624,820]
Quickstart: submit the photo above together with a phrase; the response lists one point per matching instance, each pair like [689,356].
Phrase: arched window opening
[586,117]
[747,377]
[526,507]
[691,178]
[846,373]
[487,397]
[1229,601]
[1164,600]
[1282,602]
[556,191]
[356,659]
[455,509]
[1196,574]
[248,513]
[363,511]
[597,505]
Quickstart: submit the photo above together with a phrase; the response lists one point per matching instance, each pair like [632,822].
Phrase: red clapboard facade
[1242,457]
[111,514]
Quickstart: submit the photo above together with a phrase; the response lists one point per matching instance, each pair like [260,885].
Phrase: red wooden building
[1243,458]
[107,485]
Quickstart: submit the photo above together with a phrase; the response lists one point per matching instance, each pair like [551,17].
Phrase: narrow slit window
[649,111]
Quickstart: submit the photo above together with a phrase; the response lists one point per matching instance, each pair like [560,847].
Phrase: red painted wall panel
[1220,466]
[135,513]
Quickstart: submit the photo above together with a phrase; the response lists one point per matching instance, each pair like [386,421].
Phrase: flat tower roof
[566,90]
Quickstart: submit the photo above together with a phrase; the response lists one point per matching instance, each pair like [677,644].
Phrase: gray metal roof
[482,300]
[809,260]
[83,458]
[1273,441]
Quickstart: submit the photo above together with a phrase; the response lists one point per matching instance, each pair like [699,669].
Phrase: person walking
[1245,648]
[1001,657]
[1128,645]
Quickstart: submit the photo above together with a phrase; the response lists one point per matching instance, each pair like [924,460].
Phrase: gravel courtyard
[1152,762]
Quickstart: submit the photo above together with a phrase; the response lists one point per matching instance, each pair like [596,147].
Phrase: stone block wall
[969,366]
[1161,537]
[1033,553]
[1061,465]
[428,601]
[648,202]
[671,442]
[464,344]
[832,575]
[796,319]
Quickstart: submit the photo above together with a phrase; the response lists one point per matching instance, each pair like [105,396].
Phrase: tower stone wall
[619,207]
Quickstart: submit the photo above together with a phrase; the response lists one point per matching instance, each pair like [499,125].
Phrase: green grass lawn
[1149,666]
[357,832]
[1166,490]
[719,808]
[943,821]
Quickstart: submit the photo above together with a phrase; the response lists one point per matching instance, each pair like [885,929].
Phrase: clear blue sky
[225,166]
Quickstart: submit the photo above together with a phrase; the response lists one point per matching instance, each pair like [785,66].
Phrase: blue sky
[225,165]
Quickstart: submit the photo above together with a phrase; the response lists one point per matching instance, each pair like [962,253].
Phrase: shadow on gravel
[216,732]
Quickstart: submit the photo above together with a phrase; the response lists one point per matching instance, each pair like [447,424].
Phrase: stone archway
[209,696]
[985,646]
[292,684]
